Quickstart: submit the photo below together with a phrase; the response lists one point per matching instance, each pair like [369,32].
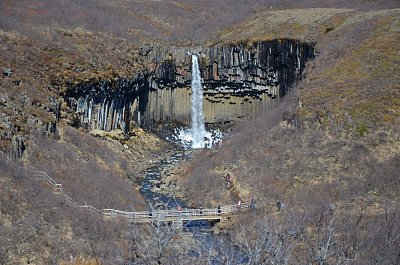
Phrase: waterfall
[196,136]
[198,130]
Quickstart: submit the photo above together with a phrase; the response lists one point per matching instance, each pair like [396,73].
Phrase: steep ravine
[239,81]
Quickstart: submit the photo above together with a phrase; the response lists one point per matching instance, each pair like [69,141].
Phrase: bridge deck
[175,215]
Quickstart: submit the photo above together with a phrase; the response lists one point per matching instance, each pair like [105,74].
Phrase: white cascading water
[198,130]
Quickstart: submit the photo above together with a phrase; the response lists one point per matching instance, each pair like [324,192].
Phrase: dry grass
[91,170]
[38,227]
[356,83]
[350,90]
[51,46]
[81,261]
[301,24]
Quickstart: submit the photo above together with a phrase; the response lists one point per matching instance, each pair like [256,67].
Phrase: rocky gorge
[239,81]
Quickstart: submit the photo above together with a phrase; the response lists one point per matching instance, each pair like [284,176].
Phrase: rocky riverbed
[159,182]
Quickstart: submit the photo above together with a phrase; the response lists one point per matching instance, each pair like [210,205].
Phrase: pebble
[216,230]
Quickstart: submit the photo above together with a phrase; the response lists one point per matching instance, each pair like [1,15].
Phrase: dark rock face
[241,68]
[16,121]
[238,80]
[262,67]
[109,105]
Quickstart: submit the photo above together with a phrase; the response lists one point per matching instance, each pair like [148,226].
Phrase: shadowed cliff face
[109,105]
[239,81]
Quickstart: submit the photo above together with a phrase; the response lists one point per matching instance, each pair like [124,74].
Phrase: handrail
[8,160]
[139,216]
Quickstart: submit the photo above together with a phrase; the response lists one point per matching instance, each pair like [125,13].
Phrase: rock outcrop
[109,104]
[239,81]
[19,120]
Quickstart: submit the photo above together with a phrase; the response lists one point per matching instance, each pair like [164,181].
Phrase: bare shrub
[151,243]
[268,246]
[384,177]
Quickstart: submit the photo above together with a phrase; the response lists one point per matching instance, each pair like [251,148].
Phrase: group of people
[214,144]
[219,210]
[252,204]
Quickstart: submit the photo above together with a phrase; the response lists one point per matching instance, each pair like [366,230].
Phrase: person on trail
[219,209]
[201,209]
[280,205]
[253,203]
[239,204]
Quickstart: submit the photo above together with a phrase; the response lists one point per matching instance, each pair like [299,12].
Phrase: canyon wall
[239,81]
[109,104]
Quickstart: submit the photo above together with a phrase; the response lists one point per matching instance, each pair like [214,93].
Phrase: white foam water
[198,131]
[184,137]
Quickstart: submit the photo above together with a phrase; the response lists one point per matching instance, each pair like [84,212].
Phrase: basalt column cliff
[238,80]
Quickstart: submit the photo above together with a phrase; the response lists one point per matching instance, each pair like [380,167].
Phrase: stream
[161,195]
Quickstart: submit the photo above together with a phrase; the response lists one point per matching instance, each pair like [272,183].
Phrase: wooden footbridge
[171,215]
[174,215]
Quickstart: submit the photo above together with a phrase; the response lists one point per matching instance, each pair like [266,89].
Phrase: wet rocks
[159,185]
[216,230]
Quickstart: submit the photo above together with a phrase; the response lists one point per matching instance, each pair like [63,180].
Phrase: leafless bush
[151,243]
[269,246]
[358,152]
[384,177]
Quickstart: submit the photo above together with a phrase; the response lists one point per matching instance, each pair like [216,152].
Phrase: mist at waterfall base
[184,137]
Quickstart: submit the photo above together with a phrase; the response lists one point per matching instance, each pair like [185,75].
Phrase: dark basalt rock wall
[241,67]
[109,105]
[263,67]
[239,81]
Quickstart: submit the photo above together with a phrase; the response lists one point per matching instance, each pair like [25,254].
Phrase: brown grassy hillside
[330,152]
[348,94]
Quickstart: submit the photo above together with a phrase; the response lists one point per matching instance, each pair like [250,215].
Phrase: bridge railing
[184,214]
[91,209]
